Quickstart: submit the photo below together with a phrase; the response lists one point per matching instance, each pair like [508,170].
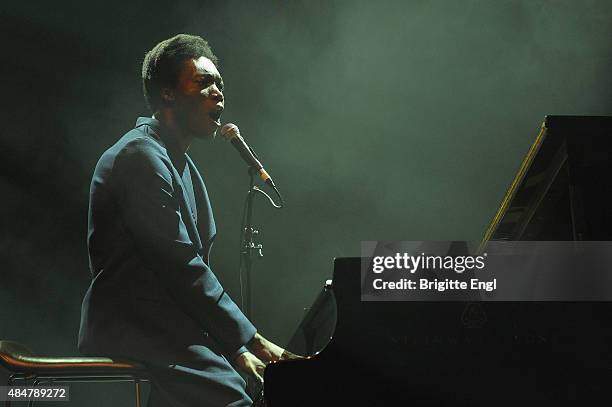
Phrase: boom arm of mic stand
[274,204]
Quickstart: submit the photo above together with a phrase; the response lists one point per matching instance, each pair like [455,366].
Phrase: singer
[153,296]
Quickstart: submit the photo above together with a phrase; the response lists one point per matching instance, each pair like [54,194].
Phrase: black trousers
[205,379]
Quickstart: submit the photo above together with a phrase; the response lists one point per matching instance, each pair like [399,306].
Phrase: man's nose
[216,94]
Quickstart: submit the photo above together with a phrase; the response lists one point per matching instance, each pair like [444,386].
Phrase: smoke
[402,121]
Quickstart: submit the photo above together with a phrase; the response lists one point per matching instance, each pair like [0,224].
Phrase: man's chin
[208,134]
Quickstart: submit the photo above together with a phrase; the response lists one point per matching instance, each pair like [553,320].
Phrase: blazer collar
[155,130]
[149,121]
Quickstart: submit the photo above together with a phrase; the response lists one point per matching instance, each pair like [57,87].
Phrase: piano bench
[32,370]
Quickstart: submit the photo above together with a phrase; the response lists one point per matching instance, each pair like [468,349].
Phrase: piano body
[473,354]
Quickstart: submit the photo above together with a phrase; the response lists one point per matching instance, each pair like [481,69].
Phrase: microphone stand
[248,246]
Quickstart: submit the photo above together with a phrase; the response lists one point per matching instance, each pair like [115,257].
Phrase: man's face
[199,98]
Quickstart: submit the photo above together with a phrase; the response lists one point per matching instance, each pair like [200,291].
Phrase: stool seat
[18,358]
[29,367]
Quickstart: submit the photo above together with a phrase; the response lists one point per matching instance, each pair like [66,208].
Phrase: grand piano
[459,353]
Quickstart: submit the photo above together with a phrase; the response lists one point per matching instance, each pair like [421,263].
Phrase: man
[153,296]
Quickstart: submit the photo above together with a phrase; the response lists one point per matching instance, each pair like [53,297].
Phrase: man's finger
[290,356]
[258,377]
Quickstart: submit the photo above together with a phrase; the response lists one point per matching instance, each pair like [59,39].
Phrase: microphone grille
[229,131]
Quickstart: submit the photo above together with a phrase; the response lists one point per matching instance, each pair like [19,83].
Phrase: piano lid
[562,188]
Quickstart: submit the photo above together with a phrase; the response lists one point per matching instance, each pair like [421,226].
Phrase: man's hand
[261,349]
[251,365]
[268,351]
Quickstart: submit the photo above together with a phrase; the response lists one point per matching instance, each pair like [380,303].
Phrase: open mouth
[215,115]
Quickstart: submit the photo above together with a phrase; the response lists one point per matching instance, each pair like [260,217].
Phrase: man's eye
[206,82]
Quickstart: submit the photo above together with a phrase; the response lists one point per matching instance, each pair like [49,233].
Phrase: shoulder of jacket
[139,144]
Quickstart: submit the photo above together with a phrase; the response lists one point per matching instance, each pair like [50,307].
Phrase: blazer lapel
[206,220]
[186,208]
[187,218]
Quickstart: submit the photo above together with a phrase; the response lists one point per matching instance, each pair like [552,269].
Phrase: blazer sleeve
[149,203]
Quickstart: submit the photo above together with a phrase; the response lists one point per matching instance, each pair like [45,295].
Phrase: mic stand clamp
[249,243]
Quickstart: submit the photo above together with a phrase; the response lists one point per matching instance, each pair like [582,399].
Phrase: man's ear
[167,95]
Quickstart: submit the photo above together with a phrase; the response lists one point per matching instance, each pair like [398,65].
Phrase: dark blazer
[153,292]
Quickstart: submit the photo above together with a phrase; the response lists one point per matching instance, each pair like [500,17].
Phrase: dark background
[402,120]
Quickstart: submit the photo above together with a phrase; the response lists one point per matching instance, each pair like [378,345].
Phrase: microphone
[230,132]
